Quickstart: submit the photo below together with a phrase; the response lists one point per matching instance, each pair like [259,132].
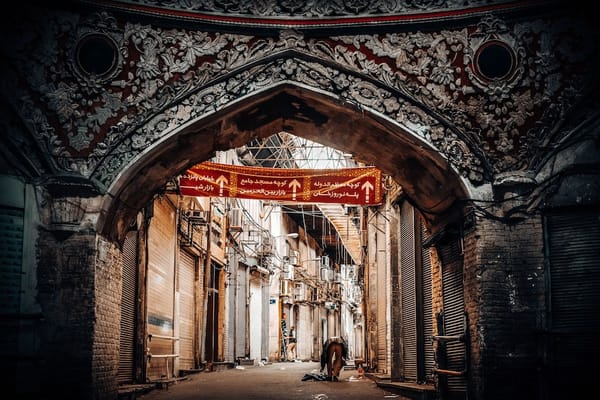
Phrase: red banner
[361,186]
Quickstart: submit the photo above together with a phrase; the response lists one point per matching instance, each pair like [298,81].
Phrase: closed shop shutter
[454,315]
[382,299]
[161,290]
[11,256]
[265,323]
[428,355]
[242,347]
[11,259]
[573,239]
[213,310]
[417,328]
[128,309]
[256,322]
[186,310]
[408,278]
[200,301]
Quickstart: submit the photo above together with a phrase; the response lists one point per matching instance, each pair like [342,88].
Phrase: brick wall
[108,318]
[79,292]
[67,298]
[504,297]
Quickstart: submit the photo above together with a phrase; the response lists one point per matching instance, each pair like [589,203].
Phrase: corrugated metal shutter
[200,304]
[408,278]
[429,359]
[417,319]
[574,263]
[265,323]
[186,310]
[454,313]
[256,322]
[382,299]
[128,309]
[11,260]
[161,289]
[242,348]
[213,309]
[11,255]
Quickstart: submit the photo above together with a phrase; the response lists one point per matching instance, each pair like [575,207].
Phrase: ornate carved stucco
[423,81]
[285,13]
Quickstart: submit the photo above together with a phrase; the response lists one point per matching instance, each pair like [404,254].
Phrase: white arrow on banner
[221,180]
[367,187]
[294,184]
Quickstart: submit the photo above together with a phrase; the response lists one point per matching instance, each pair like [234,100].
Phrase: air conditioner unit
[197,216]
[337,277]
[265,245]
[235,219]
[287,272]
[294,257]
[326,274]
[285,288]
[350,273]
[300,292]
[325,261]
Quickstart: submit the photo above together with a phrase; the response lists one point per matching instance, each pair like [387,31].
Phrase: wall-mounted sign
[360,186]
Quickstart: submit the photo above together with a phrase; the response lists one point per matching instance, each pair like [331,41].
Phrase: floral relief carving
[425,82]
[237,51]
[308,9]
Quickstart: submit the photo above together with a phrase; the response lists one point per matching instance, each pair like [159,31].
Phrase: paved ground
[282,381]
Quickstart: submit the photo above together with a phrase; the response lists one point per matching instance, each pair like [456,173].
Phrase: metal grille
[128,309]
[284,150]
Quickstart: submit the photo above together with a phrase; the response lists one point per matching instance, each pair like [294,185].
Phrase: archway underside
[427,179]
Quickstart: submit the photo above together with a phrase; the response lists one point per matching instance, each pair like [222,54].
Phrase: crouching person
[334,354]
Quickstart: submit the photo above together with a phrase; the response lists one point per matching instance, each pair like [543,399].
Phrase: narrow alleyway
[199,184]
[281,381]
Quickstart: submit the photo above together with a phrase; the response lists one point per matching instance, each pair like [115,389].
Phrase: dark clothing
[284,333]
[291,346]
[315,377]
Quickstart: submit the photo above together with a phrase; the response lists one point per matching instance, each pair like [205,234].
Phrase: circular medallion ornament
[96,55]
[494,60]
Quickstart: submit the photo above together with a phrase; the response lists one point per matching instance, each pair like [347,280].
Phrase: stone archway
[159,79]
[171,96]
[429,179]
